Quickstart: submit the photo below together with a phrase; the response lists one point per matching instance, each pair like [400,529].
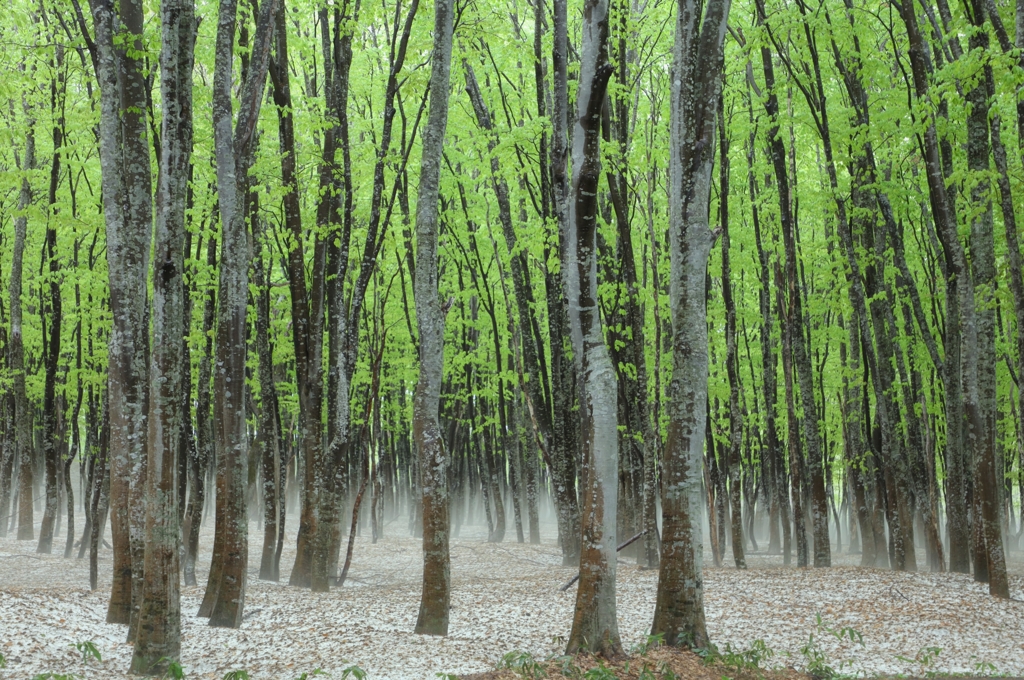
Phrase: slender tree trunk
[22,413]
[273,486]
[52,434]
[101,497]
[594,625]
[563,454]
[433,482]
[732,357]
[202,456]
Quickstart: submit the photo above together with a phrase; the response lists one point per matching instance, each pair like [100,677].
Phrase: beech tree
[697,64]
[430,447]
[512,313]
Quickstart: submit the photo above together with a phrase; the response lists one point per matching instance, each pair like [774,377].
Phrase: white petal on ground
[506,597]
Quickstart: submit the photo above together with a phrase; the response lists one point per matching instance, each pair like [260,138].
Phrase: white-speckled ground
[505,597]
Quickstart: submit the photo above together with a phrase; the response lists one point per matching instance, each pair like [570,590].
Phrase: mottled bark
[22,413]
[158,641]
[270,457]
[731,356]
[100,498]
[341,343]
[982,410]
[563,450]
[202,454]
[696,81]
[433,482]
[958,285]
[52,418]
[127,201]
[307,321]
[794,318]
[233,149]
[594,625]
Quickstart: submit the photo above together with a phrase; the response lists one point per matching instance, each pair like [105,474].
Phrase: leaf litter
[505,597]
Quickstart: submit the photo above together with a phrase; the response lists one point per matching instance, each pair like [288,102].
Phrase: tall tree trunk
[52,435]
[234,150]
[697,76]
[982,407]
[732,357]
[202,455]
[128,213]
[159,632]
[270,458]
[307,319]
[433,482]
[563,453]
[22,414]
[594,624]
[795,319]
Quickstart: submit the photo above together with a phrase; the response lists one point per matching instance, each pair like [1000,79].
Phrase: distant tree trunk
[563,452]
[960,298]
[641,435]
[100,498]
[22,413]
[795,318]
[732,357]
[776,483]
[52,434]
[234,152]
[201,456]
[159,631]
[433,482]
[697,77]
[273,485]
[7,447]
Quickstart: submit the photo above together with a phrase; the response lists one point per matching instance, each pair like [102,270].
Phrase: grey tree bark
[233,144]
[594,624]
[563,451]
[158,640]
[697,67]
[732,356]
[436,593]
[22,414]
[127,201]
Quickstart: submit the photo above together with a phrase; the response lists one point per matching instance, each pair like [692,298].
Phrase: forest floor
[506,597]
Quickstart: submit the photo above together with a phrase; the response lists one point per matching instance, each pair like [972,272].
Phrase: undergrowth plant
[818,664]
[925,659]
[88,650]
[740,659]
[522,663]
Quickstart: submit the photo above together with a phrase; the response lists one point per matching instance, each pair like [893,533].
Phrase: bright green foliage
[88,651]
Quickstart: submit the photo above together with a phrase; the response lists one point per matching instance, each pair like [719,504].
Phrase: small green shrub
[87,649]
[523,664]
